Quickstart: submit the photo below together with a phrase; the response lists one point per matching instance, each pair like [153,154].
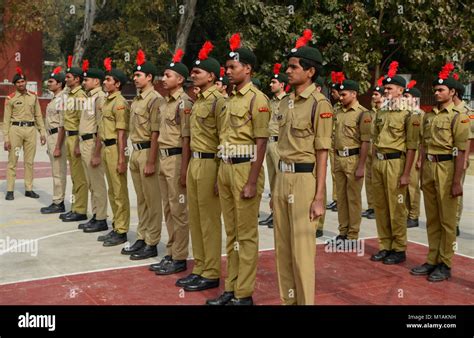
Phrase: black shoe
[457,231]
[267,220]
[222,299]
[331,205]
[53,208]
[412,223]
[441,273]
[423,270]
[241,301]
[395,258]
[202,284]
[367,212]
[380,256]
[173,267]
[371,214]
[189,279]
[66,214]
[115,239]
[31,194]
[103,238]
[319,233]
[98,225]
[9,196]
[341,238]
[137,246]
[147,252]
[334,208]
[270,224]
[82,226]
[157,266]
[74,217]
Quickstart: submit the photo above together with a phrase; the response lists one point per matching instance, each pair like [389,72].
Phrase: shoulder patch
[187,110]
[11,96]
[465,121]
[368,120]
[416,124]
[326,115]
[263,109]
[120,108]
[471,117]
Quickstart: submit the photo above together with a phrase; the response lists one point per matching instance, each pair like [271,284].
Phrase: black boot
[412,223]
[423,270]
[331,205]
[147,252]
[82,226]
[115,239]
[371,214]
[222,299]
[319,233]
[66,214]
[98,225]
[103,238]
[173,267]
[267,220]
[9,196]
[137,246]
[74,217]
[241,301]
[188,280]
[31,194]
[157,266]
[441,273]
[457,231]
[53,208]
[380,256]
[395,257]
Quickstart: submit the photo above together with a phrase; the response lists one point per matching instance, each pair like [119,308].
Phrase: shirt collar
[176,95]
[208,92]
[113,95]
[307,92]
[353,106]
[144,93]
[448,109]
[243,90]
[94,91]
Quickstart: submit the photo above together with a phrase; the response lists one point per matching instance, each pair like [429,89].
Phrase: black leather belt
[86,137]
[72,132]
[53,131]
[198,154]
[141,145]
[388,156]
[273,138]
[348,152]
[439,158]
[236,160]
[110,142]
[23,124]
[170,152]
[295,167]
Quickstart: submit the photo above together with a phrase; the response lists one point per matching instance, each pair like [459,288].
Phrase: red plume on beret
[69,61]
[85,65]
[140,57]
[380,81]
[205,50]
[178,56]
[456,76]
[411,84]
[222,73]
[340,77]
[57,70]
[392,69]
[108,64]
[447,68]
[304,39]
[19,71]
[234,41]
[287,88]
[333,77]
[276,68]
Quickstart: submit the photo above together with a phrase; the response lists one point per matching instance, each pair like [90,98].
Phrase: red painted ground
[341,279]
[41,169]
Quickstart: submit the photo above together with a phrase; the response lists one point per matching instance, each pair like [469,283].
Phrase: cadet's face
[53,85]
[335,94]
[110,85]
[276,86]
[393,91]
[296,74]
[141,79]
[347,97]
[200,77]
[236,71]
[70,80]
[376,97]
[171,79]
[90,83]
[443,94]
[20,85]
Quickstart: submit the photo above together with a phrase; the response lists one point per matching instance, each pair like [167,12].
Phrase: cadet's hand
[57,152]
[359,173]
[149,169]
[418,164]
[121,167]
[249,191]
[404,181]
[7,146]
[316,210]
[216,189]
[182,179]
[77,151]
[43,140]
[95,161]
[456,189]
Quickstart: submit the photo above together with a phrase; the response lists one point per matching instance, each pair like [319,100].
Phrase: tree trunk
[185,24]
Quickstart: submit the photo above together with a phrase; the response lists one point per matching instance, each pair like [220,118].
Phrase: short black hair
[307,64]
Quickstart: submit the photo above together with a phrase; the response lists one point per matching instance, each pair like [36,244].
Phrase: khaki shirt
[76,101]
[444,130]
[352,126]
[92,112]
[335,109]
[174,125]
[55,111]
[464,108]
[273,125]
[246,116]
[205,120]
[115,115]
[145,115]
[300,136]
[22,108]
[396,130]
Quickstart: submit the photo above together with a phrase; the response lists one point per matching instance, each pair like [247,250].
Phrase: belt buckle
[196,154]
[430,158]
[136,146]
[226,159]
[380,156]
[163,153]
[287,167]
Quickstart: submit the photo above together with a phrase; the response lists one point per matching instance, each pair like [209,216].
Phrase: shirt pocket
[108,115]
[141,116]
[442,131]
[239,116]
[350,130]
[205,118]
[396,129]
[172,117]
[301,129]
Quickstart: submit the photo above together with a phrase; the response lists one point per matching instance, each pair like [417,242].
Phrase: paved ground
[62,250]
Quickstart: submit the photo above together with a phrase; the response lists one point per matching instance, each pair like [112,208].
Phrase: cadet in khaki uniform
[277,85]
[351,143]
[304,140]
[174,158]
[222,83]
[462,107]
[203,200]
[445,134]
[22,112]
[91,148]
[54,122]
[396,138]
[413,97]
[113,128]
[144,166]
[76,100]
[241,179]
